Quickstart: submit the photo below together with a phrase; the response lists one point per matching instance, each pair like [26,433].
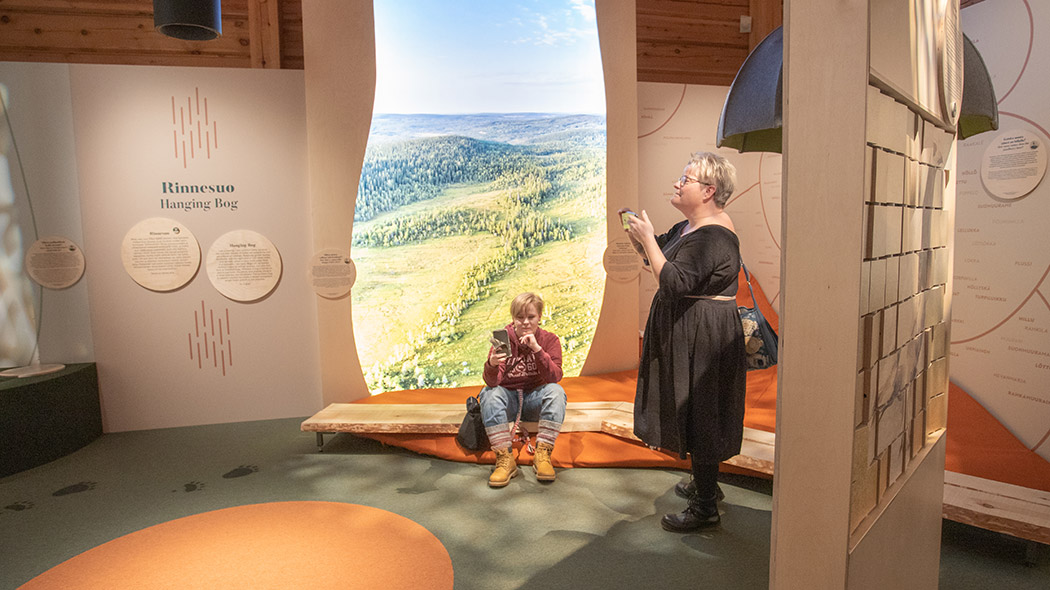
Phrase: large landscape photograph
[484,177]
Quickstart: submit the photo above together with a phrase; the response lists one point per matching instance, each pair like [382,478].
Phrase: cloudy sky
[492,56]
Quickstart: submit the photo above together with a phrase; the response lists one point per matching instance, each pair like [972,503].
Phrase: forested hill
[512,128]
[400,173]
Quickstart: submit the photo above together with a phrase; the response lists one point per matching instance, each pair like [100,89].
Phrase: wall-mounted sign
[950,59]
[55,262]
[243,265]
[160,254]
[622,263]
[1013,164]
[332,273]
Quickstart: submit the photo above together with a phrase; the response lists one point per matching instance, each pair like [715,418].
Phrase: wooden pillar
[264,33]
[866,283]
[766,15]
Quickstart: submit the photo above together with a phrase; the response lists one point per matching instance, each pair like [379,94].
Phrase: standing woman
[691,380]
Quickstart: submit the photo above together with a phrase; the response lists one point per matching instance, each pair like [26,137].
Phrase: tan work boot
[506,469]
[541,461]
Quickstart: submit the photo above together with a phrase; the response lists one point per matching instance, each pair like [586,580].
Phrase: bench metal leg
[1031,553]
[320,442]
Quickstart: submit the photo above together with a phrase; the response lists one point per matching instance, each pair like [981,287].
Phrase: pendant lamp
[979,111]
[752,117]
[190,20]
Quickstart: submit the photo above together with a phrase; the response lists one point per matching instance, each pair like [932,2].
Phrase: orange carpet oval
[275,545]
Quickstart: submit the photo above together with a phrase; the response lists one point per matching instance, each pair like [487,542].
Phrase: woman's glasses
[684,180]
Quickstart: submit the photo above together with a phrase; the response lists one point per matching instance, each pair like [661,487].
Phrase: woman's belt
[712,297]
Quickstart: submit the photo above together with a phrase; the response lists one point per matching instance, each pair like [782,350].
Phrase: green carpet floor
[592,528]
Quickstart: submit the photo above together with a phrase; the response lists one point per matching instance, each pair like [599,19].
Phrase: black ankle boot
[686,490]
[699,515]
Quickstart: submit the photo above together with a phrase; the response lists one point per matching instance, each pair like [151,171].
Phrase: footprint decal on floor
[76,488]
[19,506]
[193,486]
[240,471]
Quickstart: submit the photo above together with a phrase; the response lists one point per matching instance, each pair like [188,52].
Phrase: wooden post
[766,15]
[264,33]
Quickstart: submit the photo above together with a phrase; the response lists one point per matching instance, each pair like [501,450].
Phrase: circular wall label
[622,264]
[243,265]
[332,273]
[55,262]
[160,254]
[1013,164]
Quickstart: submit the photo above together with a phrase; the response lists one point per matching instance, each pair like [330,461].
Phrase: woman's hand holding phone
[500,347]
[626,216]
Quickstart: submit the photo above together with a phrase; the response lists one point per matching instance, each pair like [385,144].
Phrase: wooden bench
[615,418]
[992,505]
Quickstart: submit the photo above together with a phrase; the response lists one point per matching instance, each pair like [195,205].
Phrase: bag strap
[519,432]
[747,276]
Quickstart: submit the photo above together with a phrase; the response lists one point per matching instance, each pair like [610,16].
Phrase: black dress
[692,377]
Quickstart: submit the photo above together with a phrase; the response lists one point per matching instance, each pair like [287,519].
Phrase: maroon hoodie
[525,369]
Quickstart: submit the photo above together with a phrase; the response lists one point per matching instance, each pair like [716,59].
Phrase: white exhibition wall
[675,120]
[130,124]
[1000,335]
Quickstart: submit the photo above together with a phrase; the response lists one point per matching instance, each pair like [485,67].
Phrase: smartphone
[501,341]
[624,216]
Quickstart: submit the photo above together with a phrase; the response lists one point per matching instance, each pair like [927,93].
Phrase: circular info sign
[243,265]
[332,273]
[160,254]
[1013,164]
[622,263]
[55,263]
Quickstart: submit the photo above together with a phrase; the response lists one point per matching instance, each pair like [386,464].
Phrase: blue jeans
[499,405]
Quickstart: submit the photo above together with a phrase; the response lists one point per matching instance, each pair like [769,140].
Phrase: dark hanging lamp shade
[979,111]
[191,20]
[752,117]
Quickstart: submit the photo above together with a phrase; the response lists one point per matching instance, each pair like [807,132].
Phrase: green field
[448,229]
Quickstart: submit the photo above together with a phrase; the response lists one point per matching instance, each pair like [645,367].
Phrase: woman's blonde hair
[716,171]
[523,301]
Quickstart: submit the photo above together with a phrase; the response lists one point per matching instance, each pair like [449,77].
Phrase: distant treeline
[398,174]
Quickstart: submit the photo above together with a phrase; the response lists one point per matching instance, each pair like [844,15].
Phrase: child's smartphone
[501,341]
[624,216]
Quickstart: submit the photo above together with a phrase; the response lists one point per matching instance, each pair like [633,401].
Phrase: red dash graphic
[223,363]
[200,365]
[189,338]
[192,151]
[205,344]
[227,320]
[202,313]
[184,154]
[182,121]
[229,351]
[172,109]
[215,133]
[175,138]
[214,359]
[205,110]
[221,340]
[207,142]
[197,91]
[211,318]
[189,107]
[198,134]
